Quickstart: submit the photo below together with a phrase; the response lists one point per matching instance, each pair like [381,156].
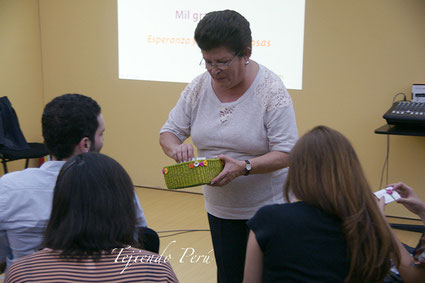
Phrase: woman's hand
[410,199]
[232,168]
[175,149]
[183,152]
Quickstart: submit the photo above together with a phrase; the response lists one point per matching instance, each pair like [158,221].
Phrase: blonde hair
[324,171]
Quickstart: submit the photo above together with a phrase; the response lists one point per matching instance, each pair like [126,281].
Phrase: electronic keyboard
[406,113]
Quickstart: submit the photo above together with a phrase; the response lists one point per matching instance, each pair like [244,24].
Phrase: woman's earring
[247,62]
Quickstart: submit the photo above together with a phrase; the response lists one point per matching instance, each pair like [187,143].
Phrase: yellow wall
[80,54]
[20,66]
[357,56]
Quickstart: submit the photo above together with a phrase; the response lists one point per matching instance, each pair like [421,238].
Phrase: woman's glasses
[220,65]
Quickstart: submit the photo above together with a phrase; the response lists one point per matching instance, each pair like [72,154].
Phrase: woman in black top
[334,233]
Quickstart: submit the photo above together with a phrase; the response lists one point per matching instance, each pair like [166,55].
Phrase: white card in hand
[388,193]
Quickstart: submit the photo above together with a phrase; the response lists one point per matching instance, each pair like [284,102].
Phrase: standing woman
[334,233]
[241,112]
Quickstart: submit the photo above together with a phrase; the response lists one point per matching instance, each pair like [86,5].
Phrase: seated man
[72,124]
[412,267]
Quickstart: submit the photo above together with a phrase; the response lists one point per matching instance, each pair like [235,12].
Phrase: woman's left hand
[232,168]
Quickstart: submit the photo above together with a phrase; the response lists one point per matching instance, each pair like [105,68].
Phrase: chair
[35,150]
[13,145]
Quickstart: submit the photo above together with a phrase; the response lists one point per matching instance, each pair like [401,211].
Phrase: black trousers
[229,239]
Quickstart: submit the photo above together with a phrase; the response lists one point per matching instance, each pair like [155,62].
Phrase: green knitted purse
[191,173]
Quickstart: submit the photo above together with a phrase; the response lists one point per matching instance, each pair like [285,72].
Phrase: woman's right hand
[174,148]
[183,152]
[410,199]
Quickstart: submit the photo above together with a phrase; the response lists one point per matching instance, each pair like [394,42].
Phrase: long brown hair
[324,171]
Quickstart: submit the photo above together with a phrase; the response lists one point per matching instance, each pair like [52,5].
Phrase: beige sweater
[260,121]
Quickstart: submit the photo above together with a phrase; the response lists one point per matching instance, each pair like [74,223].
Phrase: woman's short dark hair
[224,28]
[66,120]
[93,208]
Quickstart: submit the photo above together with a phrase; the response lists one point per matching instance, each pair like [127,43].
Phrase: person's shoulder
[195,88]
[270,75]
[271,90]
[272,209]
[14,175]
[289,207]
[23,187]
[35,256]
[21,265]
[275,211]
[27,179]
[14,179]
[303,211]
[269,208]
[267,217]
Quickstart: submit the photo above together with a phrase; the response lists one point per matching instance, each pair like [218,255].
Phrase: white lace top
[260,121]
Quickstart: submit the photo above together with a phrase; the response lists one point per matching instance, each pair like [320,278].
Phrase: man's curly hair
[66,120]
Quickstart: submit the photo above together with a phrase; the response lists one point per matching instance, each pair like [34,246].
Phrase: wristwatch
[247,167]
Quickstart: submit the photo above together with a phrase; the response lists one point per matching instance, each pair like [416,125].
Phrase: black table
[401,130]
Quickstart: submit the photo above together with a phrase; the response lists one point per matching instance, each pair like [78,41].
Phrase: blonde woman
[333,233]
